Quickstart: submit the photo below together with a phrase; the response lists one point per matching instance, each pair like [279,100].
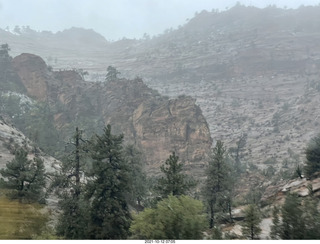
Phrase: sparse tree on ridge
[4,51]
[112,73]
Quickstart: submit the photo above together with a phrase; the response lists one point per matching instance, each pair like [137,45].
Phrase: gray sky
[115,19]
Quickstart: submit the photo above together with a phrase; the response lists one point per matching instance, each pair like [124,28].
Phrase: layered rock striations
[251,70]
[156,124]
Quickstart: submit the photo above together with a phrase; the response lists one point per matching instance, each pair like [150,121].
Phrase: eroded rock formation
[155,124]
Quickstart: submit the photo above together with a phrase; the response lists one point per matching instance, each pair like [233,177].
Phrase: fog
[115,19]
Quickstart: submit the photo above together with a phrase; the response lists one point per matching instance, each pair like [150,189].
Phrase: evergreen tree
[137,177]
[216,233]
[252,219]
[4,51]
[299,220]
[25,178]
[313,156]
[107,188]
[311,218]
[73,219]
[39,121]
[217,189]
[275,227]
[293,226]
[68,186]
[112,73]
[237,152]
[174,181]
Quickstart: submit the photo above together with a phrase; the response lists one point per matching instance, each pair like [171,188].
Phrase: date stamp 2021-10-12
[159,241]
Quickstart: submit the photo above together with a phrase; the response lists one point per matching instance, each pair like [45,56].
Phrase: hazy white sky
[115,19]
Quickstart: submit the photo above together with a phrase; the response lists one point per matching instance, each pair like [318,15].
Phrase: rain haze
[159,119]
[115,19]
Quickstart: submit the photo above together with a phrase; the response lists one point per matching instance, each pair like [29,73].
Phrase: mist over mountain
[247,76]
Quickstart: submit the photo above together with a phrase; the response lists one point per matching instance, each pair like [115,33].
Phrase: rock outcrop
[157,125]
[275,194]
[33,72]
[172,125]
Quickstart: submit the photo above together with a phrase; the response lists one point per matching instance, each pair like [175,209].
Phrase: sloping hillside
[243,74]
[11,139]
[252,71]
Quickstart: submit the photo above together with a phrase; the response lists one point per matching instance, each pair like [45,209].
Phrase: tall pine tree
[107,188]
[68,185]
[275,227]
[292,227]
[137,177]
[217,188]
[252,219]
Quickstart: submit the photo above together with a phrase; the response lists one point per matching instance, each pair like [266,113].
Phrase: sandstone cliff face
[33,73]
[157,125]
[173,125]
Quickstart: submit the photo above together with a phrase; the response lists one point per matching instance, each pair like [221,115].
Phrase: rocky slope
[11,138]
[252,71]
[275,195]
[157,125]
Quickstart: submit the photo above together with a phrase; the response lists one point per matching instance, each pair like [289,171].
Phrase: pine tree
[311,218]
[137,177]
[299,220]
[174,181]
[293,226]
[313,156]
[4,51]
[112,74]
[107,188]
[252,219]
[68,186]
[237,151]
[25,178]
[275,227]
[217,189]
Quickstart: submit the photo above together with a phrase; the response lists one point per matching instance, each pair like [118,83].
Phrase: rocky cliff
[157,125]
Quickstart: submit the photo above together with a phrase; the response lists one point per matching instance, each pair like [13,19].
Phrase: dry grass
[21,221]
